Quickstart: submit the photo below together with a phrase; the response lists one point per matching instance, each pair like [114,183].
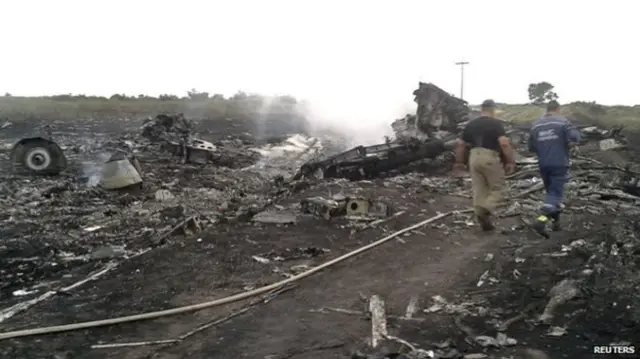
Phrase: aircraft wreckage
[427,134]
[174,133]
[39,154]
[430,133]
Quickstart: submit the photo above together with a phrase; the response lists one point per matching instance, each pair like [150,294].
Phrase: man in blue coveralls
[551,139]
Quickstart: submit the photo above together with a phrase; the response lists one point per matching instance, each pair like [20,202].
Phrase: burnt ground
[323,316]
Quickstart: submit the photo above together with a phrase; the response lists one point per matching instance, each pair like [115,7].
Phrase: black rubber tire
[39,157]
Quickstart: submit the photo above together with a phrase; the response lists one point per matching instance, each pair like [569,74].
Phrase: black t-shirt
[484,132]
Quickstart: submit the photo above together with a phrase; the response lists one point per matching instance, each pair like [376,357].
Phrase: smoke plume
[363,119]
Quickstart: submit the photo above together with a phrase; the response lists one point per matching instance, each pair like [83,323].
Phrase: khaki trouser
[487,176]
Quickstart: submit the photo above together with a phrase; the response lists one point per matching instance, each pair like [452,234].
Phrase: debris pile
[603,269]
[582,286]
[438,114]
[429,135]
[174,134]
[121,196]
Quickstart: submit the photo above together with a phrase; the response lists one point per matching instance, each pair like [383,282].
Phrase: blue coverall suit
[549,139]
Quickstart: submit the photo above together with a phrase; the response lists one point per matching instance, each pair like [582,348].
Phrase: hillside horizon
[245,106]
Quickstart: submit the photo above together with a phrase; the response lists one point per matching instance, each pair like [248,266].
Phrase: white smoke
[363,119]
[92,170]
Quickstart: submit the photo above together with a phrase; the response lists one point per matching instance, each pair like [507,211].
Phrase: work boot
[555,221]
[540,226]
[485,222]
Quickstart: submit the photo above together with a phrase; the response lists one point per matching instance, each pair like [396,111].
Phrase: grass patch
[579,112]
[18,109]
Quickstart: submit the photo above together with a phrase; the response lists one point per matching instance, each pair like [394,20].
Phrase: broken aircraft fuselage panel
[436,111]
[591,132]
[197,151]
[120,172]
[607,139]
[370,161]
[322,207]
[432,131]
[365,207]
[609,144]
[174,133]
[425,135]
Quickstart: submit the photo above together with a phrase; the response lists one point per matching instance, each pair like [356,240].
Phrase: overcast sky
[342,55]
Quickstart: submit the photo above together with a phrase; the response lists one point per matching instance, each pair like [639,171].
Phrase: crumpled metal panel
[325,208]
[119,173]
[364,207]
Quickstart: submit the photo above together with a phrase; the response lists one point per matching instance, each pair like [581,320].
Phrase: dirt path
[420,267]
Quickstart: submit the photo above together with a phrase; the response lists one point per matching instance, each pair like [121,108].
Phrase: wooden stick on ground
[22,306]
[412,308]
[378,320]
[134,344]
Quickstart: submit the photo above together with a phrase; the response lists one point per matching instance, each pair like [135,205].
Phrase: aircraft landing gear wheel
[38,156]
[37,159]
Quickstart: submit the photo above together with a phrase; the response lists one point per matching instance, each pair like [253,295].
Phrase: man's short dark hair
[553,105]
[488,105]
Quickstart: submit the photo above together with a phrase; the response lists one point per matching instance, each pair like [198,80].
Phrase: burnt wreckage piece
[587,132]
[370,161]
[606,139]
[437,112]
[426,135]
[174,134]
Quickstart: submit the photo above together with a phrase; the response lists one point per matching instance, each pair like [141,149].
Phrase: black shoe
[540,226]
[485,223]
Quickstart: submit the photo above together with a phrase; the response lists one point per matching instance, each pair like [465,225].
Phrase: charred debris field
[175,237]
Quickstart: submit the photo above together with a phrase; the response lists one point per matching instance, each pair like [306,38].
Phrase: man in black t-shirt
[490,154]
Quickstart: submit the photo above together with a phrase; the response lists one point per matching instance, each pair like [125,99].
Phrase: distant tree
[254,101]
[218,97]
[239,96]
[197,95]
[287,100]
[118,97]
[541,92]
[594,108]
[145,97]
[167,97]
[6,94]
[65,97]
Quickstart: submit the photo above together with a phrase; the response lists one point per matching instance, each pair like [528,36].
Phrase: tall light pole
[461,64]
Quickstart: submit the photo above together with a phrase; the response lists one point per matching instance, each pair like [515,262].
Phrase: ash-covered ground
[53,225]
[195,233]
